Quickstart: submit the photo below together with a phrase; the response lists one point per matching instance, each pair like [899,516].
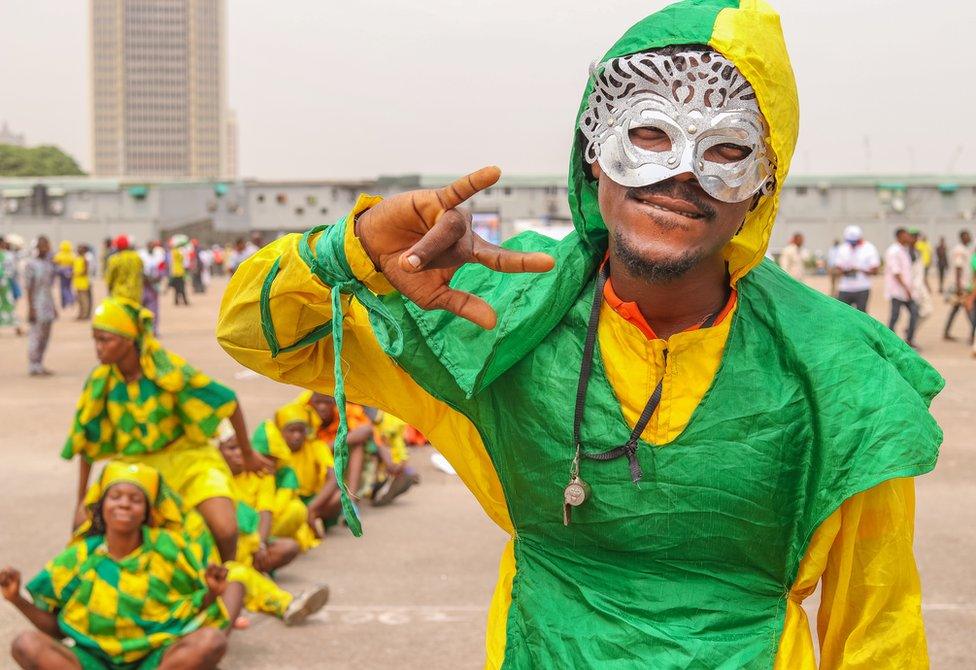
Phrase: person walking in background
[921,294]
[941,262]
[8,300]
[81,283]
[898,283]
[794,257]
[41,312]
[64,262]
[960,280]
[831,264]
[124,274]
[177,271]
[856,262]
[154,271]
[924,249]
[196,267]
[108,250]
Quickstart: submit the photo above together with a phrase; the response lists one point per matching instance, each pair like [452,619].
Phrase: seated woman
[312,461]
[255,495]
[144,404]
[289,514]
[131,594]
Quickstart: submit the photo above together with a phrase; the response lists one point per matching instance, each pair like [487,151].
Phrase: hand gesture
[10,583]
[255,462]
[216,578]
[419,239]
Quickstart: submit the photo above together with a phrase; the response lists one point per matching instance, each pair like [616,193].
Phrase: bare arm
[46,622]
[253,461]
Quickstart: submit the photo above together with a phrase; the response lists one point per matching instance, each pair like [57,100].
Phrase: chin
[655,259]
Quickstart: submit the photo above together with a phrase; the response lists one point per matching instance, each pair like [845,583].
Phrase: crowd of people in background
[906,268]
[51,283]
[197,512]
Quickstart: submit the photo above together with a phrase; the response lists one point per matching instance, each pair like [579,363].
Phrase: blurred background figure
[38,282]
[124,273]
[857,260]
[81,282]
[8,286]
[960,281]
[177,269]
[64,262]
[794,258]
[942,262]
[898,283]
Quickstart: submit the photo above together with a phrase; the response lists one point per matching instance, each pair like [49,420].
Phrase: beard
[658,270]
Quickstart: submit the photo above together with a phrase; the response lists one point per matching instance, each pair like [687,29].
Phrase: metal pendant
[574,495]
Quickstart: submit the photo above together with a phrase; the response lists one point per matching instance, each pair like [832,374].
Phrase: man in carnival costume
[681,439]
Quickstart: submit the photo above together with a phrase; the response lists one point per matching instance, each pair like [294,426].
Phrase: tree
[40,161]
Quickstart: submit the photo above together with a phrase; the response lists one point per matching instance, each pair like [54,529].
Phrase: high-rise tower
[159,99]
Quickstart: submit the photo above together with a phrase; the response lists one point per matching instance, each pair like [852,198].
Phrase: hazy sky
[327,89]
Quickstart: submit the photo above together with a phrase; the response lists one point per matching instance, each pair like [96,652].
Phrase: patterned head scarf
[134,322]
[164,504]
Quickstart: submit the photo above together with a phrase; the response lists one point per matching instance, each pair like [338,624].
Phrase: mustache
[680,190]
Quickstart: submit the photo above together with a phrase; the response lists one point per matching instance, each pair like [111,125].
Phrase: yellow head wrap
[124,318]
[164,505]
[293,413]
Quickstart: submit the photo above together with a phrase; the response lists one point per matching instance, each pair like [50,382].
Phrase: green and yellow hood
[748,33]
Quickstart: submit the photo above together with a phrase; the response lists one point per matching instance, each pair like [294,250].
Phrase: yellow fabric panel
[299,303]
[750,36]
[635,365]
[196,473]
[177,268]
[311,464]
[498,611]
[261,594]
[79,274]
[257,490]
[871,606]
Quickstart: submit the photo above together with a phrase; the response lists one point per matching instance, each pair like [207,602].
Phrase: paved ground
[413,592]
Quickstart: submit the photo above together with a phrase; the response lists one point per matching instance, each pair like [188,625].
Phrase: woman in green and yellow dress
[145,404]
[131,594]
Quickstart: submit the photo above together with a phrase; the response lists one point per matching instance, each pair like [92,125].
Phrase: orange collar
[630,312]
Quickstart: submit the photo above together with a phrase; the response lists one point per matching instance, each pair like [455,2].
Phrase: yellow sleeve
[871,603]
[300,303]
[871,608]
[265,498]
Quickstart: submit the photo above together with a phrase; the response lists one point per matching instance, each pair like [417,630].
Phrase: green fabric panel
[248,520]
[285,478]
[259,439]
[788,431]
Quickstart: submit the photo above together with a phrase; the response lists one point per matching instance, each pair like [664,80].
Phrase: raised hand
[216,578]
[419,239]
[10,583]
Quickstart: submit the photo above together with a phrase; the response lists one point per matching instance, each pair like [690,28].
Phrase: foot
[306,603]
[391,488]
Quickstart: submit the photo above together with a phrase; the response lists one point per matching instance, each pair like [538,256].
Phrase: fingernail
[414,260]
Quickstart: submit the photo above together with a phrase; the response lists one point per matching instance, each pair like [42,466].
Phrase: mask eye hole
[727,152]
[650,138]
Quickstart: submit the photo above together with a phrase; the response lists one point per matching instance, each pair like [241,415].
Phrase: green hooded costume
[813,402]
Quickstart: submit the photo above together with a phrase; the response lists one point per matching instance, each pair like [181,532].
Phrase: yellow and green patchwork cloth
[172,405]
[121,611]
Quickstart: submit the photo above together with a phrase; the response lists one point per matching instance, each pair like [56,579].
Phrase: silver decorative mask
[701,101]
